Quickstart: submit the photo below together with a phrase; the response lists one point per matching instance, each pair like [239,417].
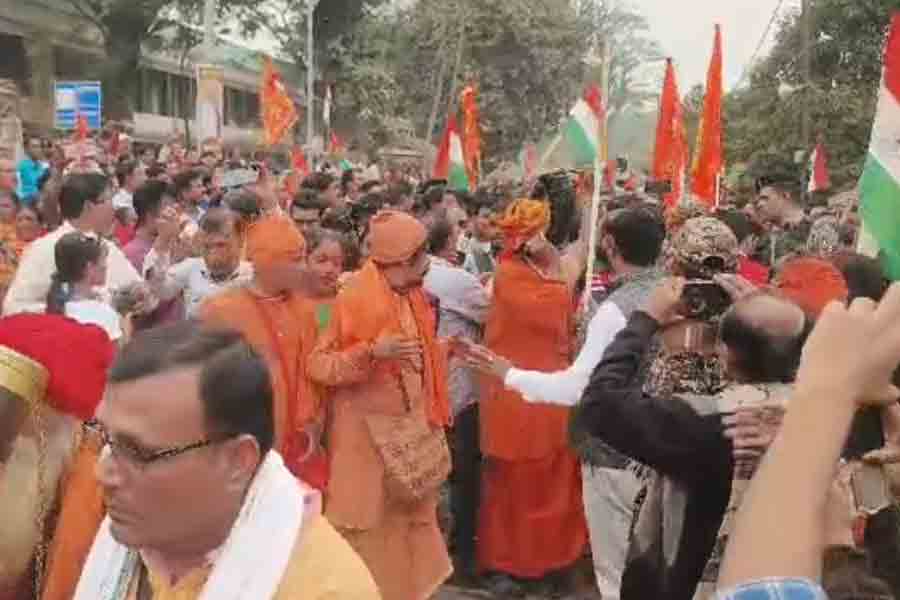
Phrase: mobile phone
[870,489]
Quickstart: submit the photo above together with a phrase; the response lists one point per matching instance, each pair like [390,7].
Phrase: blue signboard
[75,98]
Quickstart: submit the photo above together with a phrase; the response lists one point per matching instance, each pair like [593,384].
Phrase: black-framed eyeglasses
[141,457]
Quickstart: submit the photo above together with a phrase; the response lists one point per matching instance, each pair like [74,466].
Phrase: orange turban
[395,237]
[523,220]
[811,283]
[274,240]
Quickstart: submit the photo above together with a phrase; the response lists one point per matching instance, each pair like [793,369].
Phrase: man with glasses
[199,504]
[85,204]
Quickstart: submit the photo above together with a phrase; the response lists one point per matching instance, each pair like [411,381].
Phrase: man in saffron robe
[269,313]
[532,513]
[380,358]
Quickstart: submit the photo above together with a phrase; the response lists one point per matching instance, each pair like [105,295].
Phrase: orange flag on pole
[299,171]
[471,140]
[81,128]
[278,111]
[708,154]
[671,153]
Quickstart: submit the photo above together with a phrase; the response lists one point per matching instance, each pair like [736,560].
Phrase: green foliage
[763,120]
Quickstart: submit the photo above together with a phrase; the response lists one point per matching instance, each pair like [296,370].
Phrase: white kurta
[28,291]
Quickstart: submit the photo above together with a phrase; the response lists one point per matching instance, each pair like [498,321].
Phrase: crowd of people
[366,385]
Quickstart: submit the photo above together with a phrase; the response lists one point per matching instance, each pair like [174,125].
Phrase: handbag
[415,455]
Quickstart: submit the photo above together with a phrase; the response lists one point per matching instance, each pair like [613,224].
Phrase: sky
[685,28]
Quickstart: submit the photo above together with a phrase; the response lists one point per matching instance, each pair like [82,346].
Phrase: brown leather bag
[415,454]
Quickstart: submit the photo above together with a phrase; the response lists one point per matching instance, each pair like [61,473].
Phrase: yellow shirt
[322,567]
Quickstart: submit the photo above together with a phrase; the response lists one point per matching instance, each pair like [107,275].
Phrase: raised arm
[847,362]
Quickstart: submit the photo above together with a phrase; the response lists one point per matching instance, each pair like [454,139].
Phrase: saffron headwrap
[395,237]
[274,240]
[522,221]
[811,283]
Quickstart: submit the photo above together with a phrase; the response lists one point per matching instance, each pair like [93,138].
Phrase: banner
[210,106]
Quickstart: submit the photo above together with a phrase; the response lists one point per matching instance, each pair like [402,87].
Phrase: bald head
[764,337]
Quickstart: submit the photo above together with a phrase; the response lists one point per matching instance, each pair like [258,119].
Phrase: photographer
[681,437]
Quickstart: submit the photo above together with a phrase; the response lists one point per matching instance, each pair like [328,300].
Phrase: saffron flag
[819,178]
[879,187]
[81,128]
[671,153]
[299,171]
[708,156]
[278,111]
[471,138]
[450,164]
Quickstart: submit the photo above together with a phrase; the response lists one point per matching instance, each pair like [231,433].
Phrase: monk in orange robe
[532,515]
[272,314]
[380,358]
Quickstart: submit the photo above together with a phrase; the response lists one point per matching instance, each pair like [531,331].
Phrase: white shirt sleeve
[564,388]
[92,312]
[120,271]
[178,277]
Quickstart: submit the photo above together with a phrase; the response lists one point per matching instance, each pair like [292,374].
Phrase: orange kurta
[400,543]
[532,514]
[80,515]
[283,331]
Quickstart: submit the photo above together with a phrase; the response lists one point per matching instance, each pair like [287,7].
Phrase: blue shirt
[775,589]
[30,172]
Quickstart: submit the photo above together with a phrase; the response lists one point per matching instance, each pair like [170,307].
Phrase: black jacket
[691,458]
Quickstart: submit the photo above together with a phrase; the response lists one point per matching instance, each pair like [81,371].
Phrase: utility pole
[209,20]
[459,53]
[806,20]
[310,71]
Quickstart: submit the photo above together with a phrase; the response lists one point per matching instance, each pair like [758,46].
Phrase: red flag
[298,161]
[670,154]
[819,177]
[82,129]
[708,156]
[278,111]
[299,170]
[471,138]
[609,175]
[441,168]
[336,145]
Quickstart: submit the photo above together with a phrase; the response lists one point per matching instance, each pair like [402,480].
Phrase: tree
[763,119]
[127,27]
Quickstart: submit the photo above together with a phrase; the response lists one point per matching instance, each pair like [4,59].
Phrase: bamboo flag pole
[599,162]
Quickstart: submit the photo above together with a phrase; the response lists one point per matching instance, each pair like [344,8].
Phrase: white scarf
[252,560]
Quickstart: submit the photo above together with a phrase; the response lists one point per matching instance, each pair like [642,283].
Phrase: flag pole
[599,161]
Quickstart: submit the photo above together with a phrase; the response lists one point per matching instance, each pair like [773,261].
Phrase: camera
[658,188]
[704,299]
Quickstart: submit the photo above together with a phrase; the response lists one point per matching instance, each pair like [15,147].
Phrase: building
[43,41]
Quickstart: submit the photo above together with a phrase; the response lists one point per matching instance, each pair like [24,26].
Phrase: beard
[20,485]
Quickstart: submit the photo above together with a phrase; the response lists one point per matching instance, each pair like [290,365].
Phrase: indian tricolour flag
[577,145]
[879,186]
[450,164]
